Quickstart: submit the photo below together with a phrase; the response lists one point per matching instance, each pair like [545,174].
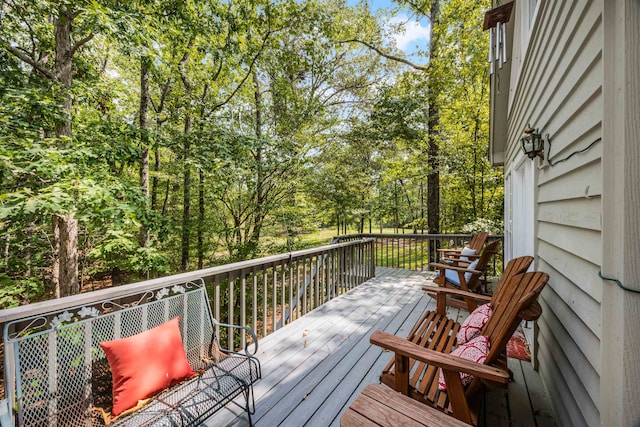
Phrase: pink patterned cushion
[476,350]
[473,324]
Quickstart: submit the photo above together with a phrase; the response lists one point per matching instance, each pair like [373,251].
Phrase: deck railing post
[274,297]
[230,293]
[373,258]
[216,303]
[283,293]
[254,298]
[316,281]
[306,286]
[243,305]
[265,302]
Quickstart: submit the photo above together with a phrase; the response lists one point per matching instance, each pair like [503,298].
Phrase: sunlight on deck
[315,367]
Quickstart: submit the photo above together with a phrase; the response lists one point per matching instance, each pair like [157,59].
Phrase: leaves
[260,108]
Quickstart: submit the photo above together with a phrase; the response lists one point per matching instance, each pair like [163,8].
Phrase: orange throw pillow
[146,363]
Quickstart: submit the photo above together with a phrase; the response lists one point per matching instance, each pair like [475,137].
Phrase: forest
[149,137]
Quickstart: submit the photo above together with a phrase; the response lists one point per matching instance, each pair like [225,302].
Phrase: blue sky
[416,34]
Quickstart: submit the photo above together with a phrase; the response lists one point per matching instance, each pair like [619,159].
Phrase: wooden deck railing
[416,251]
[265,293]
[270,292]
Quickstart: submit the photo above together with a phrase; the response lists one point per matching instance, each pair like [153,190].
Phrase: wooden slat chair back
[435,335]
[435,331]
[515,266]
[477,242]
[464,278]
[519,303]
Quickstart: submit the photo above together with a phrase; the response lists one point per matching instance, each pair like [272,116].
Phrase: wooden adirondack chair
[414,371]
[466,278]
[433,324]
[477,242]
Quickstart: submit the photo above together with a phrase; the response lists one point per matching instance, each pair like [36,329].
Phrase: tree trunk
[259,212]
[63,74]
[64,272]
[474,179]
[66,229]
[63,66]
[201,207]
[55,264]
[395,213]
[201,213]
[145,64]
[186,201]
[7,239]
[433,179]
[362,218]
[156,153]
[155,181]
[165,202]
[421,208]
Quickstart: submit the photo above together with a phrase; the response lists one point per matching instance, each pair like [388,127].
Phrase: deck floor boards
[316,366]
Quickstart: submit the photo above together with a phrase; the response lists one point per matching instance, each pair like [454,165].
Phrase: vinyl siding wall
[559,91]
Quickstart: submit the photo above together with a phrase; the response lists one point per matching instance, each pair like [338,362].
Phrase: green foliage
[14,293]
[261,114]
[483,224]
[120,249]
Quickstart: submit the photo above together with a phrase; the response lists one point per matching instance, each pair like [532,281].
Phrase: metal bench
[53,361]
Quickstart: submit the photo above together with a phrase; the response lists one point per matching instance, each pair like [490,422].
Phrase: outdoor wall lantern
[533,143]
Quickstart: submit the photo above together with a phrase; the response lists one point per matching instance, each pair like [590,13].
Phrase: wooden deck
[316,366]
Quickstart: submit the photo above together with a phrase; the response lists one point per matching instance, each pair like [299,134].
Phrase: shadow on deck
[315,367]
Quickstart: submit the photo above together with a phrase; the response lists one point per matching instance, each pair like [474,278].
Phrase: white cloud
[414,33]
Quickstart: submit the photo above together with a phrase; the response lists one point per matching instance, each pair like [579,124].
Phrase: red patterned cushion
[473,324]
[476,350]
[146,363]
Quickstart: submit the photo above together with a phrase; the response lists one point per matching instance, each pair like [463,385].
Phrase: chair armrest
[247,329]
[5,414]
[441,294]
[449,250]
[457,292]
[406,348]
[455,262]
[531,313]
[440,266]
[470,259]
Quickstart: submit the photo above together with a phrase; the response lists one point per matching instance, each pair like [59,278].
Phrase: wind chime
[495,20]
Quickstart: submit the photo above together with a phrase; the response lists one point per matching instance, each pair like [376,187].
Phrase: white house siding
[559,91]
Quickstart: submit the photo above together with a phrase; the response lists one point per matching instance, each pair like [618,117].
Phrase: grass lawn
[317,238]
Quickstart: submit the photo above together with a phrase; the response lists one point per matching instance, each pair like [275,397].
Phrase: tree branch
[249,72]
[81,43]
[183,63]
[418,8]
[29,60]
[386,55]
